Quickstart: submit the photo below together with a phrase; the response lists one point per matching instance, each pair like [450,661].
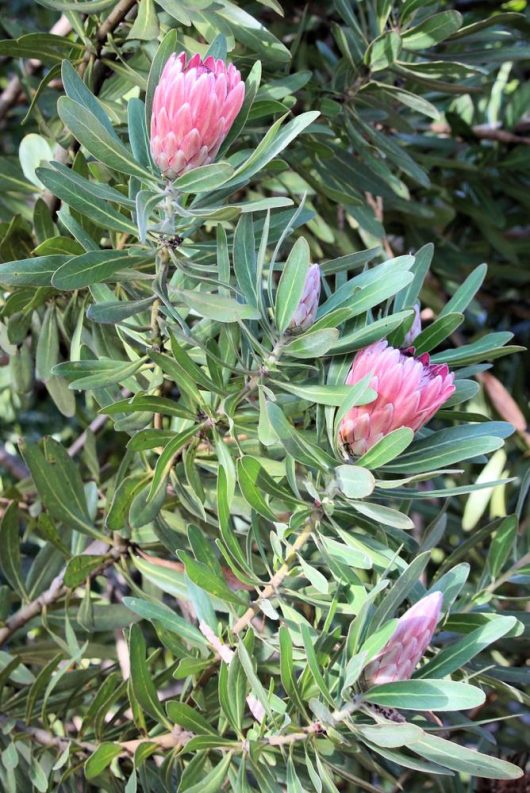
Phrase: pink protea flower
[409,392]
[306,310]
[194,106]
[400,655]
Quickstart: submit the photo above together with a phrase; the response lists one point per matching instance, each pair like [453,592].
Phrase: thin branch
[11,93]
[12,464]
[484,132]
[279,577]
[55,591]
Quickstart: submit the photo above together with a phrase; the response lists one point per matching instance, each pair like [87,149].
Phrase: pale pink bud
[415,328]
[306,310]
[409,392]
[400,655]
[194,106]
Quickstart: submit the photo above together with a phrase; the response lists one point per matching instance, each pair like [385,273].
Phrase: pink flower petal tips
[194,106]
[306,310]
[400,655]
[409,392]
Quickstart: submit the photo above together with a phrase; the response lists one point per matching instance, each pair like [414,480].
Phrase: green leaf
[313,663]
[33,272]
[206,178]
[466,292]
[425,694]
[458,654]
[10,559]
[385,515]
[141,679]
[189,718]
[464,760]
[450,446]
[79,92]
[203,577]
[292,282]
[391,735]
[159,613]
[97,139]
[440,329]
[217,307]
[404,585]
[95,266]
[431,31]
[79,568]
[101,759]
[383,51]
[213,781]
[166,460]
[270,146]
[313,344]
[354,481]
[245,262]
[59,484]
[501,545]
[370,333]
[248,473]
[294,443]
[387,448]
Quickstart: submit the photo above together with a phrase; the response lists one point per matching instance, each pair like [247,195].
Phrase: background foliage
[134,538]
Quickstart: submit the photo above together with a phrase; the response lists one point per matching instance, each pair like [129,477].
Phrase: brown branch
[280,575]
[117,15]
[12,464]
[55,591]
[11,93]
[484,132]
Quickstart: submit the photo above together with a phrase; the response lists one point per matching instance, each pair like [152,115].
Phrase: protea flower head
[400,655]
[194,105]
[415,328]
[306,310]
[409,392]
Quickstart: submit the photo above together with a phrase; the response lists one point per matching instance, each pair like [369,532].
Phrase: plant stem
[280,575]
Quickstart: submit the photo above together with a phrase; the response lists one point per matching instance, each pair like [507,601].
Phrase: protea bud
[306,310]
[409,392]
[194,106]
[400,655]
[415,328]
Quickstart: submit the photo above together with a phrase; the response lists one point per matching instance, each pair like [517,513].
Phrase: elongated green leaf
[460,758]
[458,654]
[354,481]
[426,695]
[158,612]
[59,484]
[432,30]
[189,718]
[10,559]
[218,307]
[37,271]
[141,679]
[432,336]
[101,759]
[207,177]
[387,448]
[313,344]
[86,197]
[292,282]
[94,266]
[97,139]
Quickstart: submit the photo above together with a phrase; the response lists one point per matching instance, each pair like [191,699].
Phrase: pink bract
[399,657]
[194,105]
[306,310]
[409,392]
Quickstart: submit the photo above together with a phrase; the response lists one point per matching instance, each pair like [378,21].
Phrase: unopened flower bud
[415,328]
[194,106]
[306,310]
[409,392]
[400,655]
